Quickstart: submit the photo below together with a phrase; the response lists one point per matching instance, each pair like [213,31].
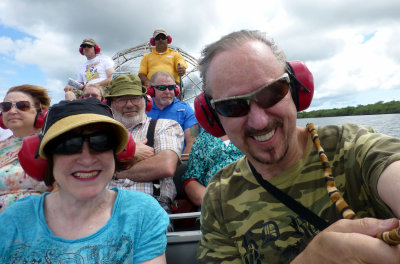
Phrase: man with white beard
[156,164]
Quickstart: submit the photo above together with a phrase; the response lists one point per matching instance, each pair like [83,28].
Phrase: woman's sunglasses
[21,105]
[265,97]
[164,87]
[98,142]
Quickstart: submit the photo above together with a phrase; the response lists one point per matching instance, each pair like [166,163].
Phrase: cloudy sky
[351,46]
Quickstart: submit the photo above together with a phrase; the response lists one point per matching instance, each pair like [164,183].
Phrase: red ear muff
[153,42]
[149,103]
[177,90]
[96,50]
[302,83]
[150,91]
[207,117]
[40,118]
[129,152]
[32,165]
[2,125]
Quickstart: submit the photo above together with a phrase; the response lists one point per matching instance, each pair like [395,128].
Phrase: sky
[351,47]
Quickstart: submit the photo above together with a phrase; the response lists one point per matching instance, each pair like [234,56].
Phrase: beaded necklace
[390,237]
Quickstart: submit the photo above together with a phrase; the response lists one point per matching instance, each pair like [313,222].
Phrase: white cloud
[330,36]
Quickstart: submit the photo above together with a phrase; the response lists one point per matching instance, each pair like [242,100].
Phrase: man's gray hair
[160,73]
[232,40]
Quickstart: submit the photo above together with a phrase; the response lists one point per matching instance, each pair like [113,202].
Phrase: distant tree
[380,107]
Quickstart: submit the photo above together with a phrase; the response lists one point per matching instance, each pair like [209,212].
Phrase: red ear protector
[2,125]
[39,119]
[149,103]
[302,90]
[301,84]
[36,166]
[96,50]
[152,93]
[206,116]
[153,42]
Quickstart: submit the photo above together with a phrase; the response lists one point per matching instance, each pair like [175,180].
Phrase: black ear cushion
[293,85]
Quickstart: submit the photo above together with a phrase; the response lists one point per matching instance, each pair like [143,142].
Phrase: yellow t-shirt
[168,61]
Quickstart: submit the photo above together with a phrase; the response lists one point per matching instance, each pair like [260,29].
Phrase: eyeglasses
[21,105]
[91,95]
[160,36]
[98,142]
[86,46]
[164,87]
[265,97]
[124,100]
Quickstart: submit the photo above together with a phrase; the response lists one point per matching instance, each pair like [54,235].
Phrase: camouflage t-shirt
[242,223]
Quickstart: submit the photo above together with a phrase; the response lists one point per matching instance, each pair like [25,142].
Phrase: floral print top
[14,182]
[208,155]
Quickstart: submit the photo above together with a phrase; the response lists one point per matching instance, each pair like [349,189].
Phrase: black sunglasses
[98,142]
[160,36]
[86,46]
[164,87]
[266,96]
[21,105]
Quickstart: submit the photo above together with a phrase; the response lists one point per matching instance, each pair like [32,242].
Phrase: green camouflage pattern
[242,223]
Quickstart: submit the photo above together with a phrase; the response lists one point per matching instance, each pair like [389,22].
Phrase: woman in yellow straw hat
[83,221]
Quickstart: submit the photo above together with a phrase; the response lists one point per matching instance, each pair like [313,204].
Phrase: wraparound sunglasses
[266,96]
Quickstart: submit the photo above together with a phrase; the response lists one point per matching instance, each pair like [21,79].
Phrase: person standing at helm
[161,58]
[97,69]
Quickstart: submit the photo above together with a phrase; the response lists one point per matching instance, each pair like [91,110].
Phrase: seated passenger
[165,105]
[90,90]
[159,142]
[22,111]
[83,221]
[209,154]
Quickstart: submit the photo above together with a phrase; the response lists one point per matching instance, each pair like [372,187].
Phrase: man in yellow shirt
[161,58]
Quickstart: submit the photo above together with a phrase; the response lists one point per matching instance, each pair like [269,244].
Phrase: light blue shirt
[136,232]
[179,111]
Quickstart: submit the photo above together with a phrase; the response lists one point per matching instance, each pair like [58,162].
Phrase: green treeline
[371,109]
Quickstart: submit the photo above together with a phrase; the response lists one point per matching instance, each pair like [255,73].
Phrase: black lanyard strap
[291,203]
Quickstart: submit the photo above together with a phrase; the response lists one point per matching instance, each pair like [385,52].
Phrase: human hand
[352,241]
[143,151]
[181,70]
[68,88]
[70,96]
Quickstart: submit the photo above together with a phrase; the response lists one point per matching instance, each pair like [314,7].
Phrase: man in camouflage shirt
[243,223]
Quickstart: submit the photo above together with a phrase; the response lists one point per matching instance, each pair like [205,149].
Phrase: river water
[388,124]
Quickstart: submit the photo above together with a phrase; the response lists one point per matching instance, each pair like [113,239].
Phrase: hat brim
[70,122]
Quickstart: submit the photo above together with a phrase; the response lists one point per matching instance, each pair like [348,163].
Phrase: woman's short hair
[39,94]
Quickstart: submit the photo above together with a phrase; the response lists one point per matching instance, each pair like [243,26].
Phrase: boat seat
[182,246]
